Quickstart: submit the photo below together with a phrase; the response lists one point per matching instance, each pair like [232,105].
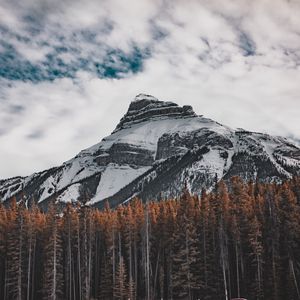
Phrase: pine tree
[108,258]
[129,233]
[271,242]
[245,242]
[131,289]
[256,254]
[185,250]
[120,287]
[3,240]
[290,242]
[221,207]
[85,244]
[240,211]
[146,252]
[105,290]
[34,223]
[15,253]
[53,265]
[205,249]
[69,234]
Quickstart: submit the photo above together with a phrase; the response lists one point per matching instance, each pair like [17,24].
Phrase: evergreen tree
[290,242]
[15,253]
[3,249]
[241,239]
[69,234]
[120,287]
[271,242]
[185,252]
[53,288]
[256,254]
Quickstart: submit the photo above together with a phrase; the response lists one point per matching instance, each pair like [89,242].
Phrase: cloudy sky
[69,69]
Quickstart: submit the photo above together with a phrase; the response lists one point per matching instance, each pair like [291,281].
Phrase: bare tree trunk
[188,263]
[205,255]
[147,255]
[224,279]
[156,269]
[33,267]
[89,260]
[69,259]
[73,279]
[114,257]
[19,295]
[259,274]
[119,246]
[53,294]
[29,263]
[135,264]
[79,263]
[223,259]
[5,281]
[237,271]
[274,272]
[294,277]
[85,259]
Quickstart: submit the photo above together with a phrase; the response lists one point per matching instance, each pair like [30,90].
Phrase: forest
[238,240]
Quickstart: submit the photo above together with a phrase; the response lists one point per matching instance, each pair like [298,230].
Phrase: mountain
[157,147]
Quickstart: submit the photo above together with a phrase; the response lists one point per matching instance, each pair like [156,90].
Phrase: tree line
[238,240]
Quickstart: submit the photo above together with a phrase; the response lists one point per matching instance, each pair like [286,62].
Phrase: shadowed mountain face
[157,147]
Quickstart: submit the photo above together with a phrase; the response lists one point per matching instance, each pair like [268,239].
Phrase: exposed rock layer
[156,147]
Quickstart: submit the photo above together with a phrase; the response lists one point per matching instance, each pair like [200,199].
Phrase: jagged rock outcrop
[156,147]
[146,107]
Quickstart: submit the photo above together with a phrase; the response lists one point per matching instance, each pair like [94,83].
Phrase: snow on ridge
[146,134]
[114,178]
[211,163]
[142,96]
[269,149]
[48,188]
[70,194]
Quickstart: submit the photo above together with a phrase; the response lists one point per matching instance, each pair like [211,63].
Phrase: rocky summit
[146,108]
[156,148]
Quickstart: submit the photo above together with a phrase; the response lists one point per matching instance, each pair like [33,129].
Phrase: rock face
[155,148]
[147,108]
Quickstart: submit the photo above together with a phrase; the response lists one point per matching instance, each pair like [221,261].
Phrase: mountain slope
[155,148]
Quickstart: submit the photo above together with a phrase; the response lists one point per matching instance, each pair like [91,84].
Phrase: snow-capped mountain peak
[141,97]
[146,108]
[155,148]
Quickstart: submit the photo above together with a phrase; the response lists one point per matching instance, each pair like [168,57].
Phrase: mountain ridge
[156,146]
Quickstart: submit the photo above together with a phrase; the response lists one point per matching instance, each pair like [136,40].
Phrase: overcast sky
[69,69]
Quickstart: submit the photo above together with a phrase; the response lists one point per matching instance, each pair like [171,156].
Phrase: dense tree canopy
[241,240]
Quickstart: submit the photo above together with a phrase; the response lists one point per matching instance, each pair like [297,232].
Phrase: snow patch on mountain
[70,194]
[146,135]
[269,148]
[113,179]
[154,143]
[141,97]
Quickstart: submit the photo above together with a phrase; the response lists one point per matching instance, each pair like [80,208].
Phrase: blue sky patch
[115,63]
[247,44]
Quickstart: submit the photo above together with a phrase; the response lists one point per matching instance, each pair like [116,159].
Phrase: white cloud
[200,62]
